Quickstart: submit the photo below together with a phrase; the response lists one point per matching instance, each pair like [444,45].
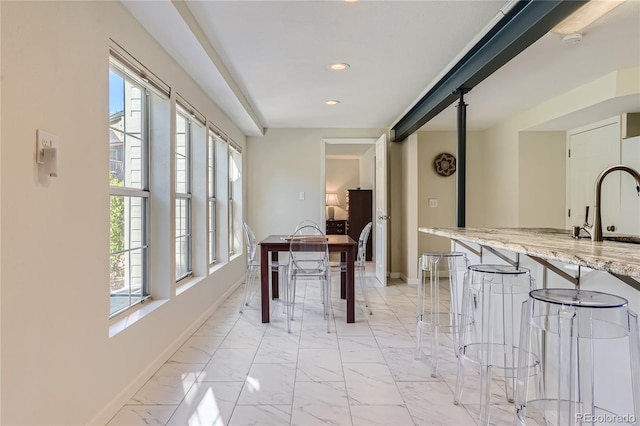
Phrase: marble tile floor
[235,370]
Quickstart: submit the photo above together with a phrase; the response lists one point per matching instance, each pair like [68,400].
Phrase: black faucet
[596,228]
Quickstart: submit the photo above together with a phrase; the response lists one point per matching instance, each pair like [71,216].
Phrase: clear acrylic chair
[359,265]
[253,266]
[308,258]
[435,319]
[305,223]
[489,329]
[587,344]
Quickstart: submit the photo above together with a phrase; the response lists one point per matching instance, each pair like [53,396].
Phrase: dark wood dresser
[337,227]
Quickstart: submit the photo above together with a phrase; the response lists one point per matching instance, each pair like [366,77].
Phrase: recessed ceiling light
[350,1]
[332,102]
[339,66]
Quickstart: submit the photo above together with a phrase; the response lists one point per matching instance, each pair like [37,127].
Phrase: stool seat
[587,343]
[584,298]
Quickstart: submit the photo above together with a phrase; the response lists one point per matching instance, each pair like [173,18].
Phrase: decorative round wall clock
[445,164]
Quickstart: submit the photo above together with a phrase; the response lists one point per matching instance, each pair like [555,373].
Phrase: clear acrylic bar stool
[588,345]
[489,328]
[436,320]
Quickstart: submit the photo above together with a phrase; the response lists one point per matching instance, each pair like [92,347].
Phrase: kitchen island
[556,260]
[547,246]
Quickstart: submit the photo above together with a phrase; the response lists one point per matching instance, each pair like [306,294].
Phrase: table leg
[264,282]
[351,258]
[343,276]
[275,293]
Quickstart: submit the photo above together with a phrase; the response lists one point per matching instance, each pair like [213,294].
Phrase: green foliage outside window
[116,237]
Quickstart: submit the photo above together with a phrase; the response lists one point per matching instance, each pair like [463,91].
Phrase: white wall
[398,212]
[513,178]
[506,149]
[280,165]
[0,217]
[542,179]
[443,189]
[59,365]
[367,169]
[409,249]
[501,178]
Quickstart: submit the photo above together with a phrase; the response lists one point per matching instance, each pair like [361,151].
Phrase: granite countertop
[552,244]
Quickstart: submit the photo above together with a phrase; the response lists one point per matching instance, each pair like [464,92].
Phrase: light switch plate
[433,202]
[44,140]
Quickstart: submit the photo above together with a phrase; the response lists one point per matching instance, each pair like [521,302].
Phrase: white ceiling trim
[349,141]
[203,65]
[343,157]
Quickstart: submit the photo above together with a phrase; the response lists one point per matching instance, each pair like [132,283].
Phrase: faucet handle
[586,215]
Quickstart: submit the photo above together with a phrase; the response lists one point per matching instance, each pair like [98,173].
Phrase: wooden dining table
[274,244]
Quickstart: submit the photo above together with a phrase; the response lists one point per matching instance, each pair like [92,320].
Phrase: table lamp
[332,201]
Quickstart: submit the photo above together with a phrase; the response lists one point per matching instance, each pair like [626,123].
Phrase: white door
[381,217]
[592,150]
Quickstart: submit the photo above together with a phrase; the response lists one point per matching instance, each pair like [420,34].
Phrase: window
[129,189]
[235,199]
[183,195]
[211,195]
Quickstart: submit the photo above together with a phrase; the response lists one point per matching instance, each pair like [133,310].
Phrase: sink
[629,239]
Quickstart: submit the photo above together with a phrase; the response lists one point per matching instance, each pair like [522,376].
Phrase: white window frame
[143,193]
[212,139]
[233,149]
[185,197]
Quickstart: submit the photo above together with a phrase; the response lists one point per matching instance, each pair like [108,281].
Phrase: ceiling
[266,63]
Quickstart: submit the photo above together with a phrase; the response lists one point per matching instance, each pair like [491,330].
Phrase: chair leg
[287,301]
[292,299]
[283,285]
[363,288]
[327,303]
[419,311]
[457,397]
[247,289]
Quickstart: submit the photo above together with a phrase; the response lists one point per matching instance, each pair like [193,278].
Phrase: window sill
[129,318]
[215,267]
[186,284]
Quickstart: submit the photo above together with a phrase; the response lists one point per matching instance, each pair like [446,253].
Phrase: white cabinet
[591,149]
[629,202]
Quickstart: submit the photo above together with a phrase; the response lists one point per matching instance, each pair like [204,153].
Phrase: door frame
[323,158]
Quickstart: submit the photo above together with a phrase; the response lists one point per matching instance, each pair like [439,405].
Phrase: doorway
[348,164]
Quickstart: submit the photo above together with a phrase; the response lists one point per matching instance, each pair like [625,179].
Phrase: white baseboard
[112,408]
[403,277]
